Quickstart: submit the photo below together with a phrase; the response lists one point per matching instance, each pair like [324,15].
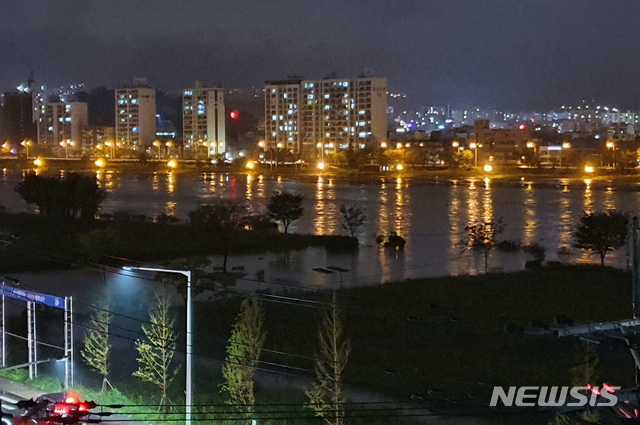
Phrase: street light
[27,144]
[157,144]
[474,146]
[611,145]
[112,146]
[279,145]
[65,145]
[189,353]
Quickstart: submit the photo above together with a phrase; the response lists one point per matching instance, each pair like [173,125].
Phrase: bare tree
[483,236]
[352,218]
[326,397]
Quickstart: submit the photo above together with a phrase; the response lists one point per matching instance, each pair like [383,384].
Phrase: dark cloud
[503,53]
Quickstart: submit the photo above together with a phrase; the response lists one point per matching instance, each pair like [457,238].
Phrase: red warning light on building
[234,115]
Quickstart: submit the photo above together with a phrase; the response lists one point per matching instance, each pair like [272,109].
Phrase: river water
[431,216]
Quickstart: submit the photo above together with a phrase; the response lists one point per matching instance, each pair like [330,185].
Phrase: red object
[234,115]
[61,409]
[522,127]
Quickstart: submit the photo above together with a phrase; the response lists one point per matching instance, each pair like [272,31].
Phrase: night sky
[507,54]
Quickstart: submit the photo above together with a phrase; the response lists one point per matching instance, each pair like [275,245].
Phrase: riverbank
[34,243]
[629,178]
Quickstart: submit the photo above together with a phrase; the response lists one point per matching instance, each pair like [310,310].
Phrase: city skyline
[529,55]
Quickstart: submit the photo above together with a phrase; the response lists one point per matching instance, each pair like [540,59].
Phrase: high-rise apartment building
[304,115]
[136,116]
[18,117]
[62,123]
[203,124]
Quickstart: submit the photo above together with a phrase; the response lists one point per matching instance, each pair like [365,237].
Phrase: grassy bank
[36,243]
[444,339]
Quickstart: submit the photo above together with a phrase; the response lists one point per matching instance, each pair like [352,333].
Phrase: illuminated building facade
[62,122]
[203,120]
[99,136]
[136,116]
[304,115]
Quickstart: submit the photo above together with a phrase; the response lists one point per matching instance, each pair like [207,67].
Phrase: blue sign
[24,295]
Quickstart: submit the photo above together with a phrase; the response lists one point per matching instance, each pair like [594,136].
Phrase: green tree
[72,196]
[157,350]
[98,244]
[352,218]
[602,232]
[221,220]
[243,356]
[285,207]
[587,368]
[482,236]
[97,347]
[326,398]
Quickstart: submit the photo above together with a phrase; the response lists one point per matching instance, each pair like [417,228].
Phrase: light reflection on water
[430,216]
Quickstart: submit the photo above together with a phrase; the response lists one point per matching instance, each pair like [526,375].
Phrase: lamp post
[611,146]
[565,146]
[158,145]
[27,144]
[280,145]
[262,144]
[112,145]
[189,350]
[474,146]
[65,145]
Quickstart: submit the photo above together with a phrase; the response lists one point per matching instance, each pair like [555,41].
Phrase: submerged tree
[326,397]
[285,207]
[352,218]
[157,351]
[243,356]
[482,236]
[97,347]
[602,232]
[72,196]
[221,220]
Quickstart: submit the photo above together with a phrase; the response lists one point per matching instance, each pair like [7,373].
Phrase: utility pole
[635,282]
[635,268]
